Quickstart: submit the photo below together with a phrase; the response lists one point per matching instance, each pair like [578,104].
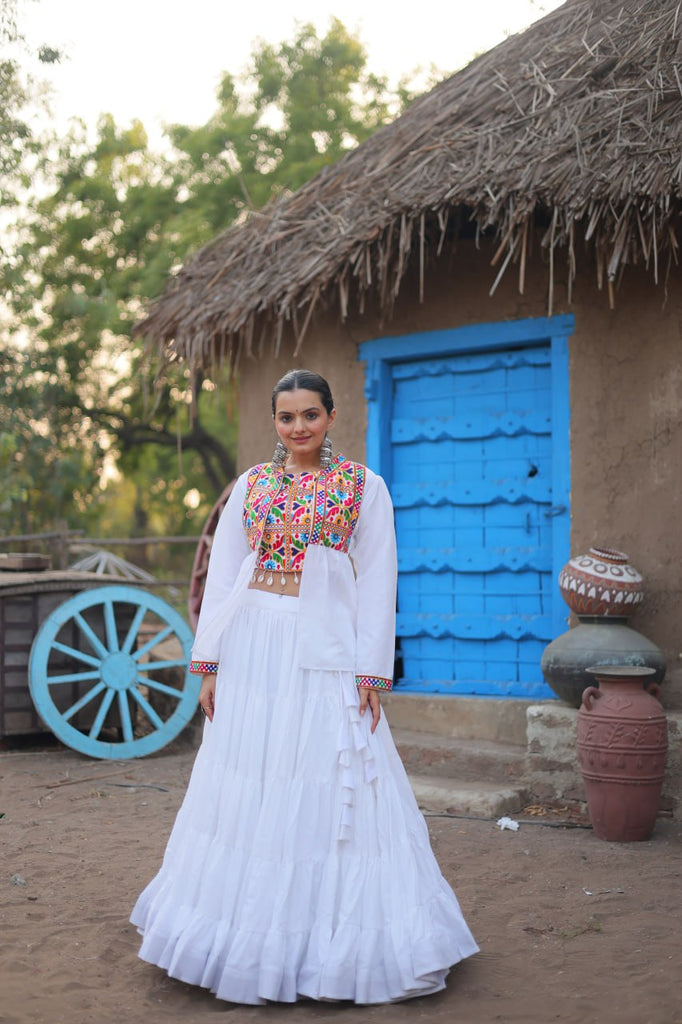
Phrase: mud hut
[491,285]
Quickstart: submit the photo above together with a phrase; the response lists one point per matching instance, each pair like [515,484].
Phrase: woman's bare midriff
[271,582]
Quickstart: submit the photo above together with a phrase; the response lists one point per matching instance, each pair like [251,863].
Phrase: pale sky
[161,60]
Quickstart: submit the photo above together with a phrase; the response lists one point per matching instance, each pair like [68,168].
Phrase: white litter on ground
[508,823]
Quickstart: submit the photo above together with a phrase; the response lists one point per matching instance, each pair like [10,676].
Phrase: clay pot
[602,582]
[622,749]
[596,641]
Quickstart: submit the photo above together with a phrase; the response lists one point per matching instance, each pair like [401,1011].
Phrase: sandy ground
[570,928]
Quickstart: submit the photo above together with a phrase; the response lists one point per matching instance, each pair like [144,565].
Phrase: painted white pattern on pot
[602,582]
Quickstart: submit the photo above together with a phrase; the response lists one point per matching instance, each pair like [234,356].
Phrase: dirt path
[570,928]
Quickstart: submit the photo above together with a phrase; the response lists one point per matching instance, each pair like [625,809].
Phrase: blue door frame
[388,361]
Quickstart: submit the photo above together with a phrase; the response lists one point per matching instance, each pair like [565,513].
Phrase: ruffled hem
[351,962]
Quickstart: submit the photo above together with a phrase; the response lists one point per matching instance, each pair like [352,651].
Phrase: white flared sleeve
[229,550]
[373,551]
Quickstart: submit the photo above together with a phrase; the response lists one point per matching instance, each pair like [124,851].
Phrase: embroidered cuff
[374,681]
[200,667]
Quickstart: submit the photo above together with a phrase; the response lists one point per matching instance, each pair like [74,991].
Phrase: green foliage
[303,104]
[41,483]
[95,247]
[108,224]
[325,99]
[14,130]
[16,90]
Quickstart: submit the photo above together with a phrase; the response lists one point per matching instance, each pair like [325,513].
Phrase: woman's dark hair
[305,380]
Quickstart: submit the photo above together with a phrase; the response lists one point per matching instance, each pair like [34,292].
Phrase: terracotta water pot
[622,750]
[601,582]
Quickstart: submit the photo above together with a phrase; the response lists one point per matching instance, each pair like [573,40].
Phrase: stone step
[480,799]
[474,760]
[482,718]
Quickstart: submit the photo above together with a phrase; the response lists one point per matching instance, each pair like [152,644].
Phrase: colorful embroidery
[286,531]
[200,667]
[283,514]
[374,681]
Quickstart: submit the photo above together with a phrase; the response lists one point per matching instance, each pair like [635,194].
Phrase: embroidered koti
[283,514]
[338,525]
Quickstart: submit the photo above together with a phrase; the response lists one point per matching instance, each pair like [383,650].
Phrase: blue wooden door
[474,456]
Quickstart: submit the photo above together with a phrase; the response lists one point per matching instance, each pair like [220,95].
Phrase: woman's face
[301,421]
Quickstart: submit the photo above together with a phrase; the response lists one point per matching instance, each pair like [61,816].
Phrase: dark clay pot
[622,750]
[596,641]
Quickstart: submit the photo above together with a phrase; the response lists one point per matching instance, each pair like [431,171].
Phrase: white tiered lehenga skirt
[299,864]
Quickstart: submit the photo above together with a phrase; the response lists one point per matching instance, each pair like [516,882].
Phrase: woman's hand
[370,697]
[207,694]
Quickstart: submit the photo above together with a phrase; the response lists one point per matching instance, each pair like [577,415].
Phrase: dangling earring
[279,457]
[326,452]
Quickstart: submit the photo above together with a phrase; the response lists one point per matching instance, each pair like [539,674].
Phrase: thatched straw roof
[573,128]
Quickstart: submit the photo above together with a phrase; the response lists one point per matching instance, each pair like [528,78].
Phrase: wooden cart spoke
[124,712]
[73,652]
[134,629]
[149,711]
[149,666]
[111,627]
[88,632]
[160,687]
[72,677]
[158,638]
[84,701]
[96,726]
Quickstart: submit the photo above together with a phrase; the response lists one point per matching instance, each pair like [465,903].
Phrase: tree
[16,92]
[303,104]
[94,248]
[112,223]
[24,447]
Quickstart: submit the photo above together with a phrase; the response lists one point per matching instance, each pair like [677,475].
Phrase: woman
[299,864]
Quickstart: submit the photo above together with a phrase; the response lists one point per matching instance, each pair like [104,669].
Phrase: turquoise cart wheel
[109,672]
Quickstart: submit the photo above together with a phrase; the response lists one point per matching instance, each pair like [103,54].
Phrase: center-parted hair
[303,380]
